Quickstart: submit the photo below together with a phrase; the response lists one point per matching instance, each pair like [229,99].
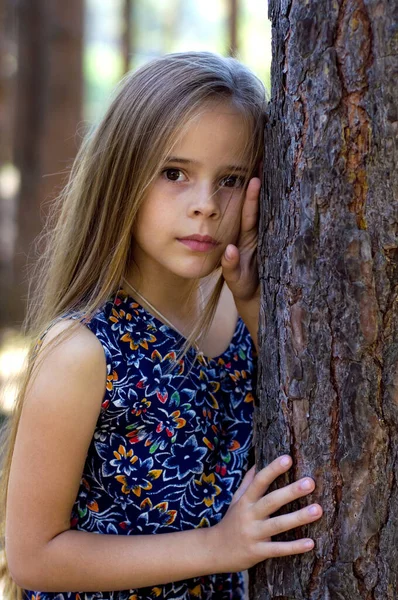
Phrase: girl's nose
[204,202]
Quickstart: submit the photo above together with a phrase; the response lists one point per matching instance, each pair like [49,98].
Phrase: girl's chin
[198,270]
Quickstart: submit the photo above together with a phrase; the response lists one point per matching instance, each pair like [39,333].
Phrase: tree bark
[49,103]
[328,364]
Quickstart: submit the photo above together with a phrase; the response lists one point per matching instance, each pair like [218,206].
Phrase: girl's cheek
[233,209]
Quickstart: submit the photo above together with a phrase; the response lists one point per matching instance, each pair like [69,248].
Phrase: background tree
[49,105]
[328,369]
[7,97]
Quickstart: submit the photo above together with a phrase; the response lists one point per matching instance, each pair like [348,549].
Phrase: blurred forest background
[59,62]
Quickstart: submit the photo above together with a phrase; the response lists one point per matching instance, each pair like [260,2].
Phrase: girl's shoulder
[69,339]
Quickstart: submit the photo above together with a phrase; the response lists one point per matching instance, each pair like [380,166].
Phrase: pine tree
[328,364]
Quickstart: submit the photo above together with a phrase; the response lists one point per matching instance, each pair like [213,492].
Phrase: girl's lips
[197,246]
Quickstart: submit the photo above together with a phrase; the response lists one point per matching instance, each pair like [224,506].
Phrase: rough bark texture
[328,367]
[49,102]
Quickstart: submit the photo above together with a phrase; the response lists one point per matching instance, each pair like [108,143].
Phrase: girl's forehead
[215,129]
[216,115]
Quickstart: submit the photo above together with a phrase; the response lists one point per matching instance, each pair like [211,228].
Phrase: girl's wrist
[249,311]
[219,550]
[252,301]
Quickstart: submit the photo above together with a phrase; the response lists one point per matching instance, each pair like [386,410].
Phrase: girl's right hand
[243,536]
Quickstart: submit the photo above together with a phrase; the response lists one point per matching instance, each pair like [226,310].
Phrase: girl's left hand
[239,263]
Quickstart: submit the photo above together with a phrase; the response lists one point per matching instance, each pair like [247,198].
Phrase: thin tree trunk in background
[7,70]
[328,365]
[127,48]
[7,94]
[233,27]
[49,107]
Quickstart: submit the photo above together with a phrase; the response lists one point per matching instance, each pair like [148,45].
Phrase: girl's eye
[173,174]
[232,181]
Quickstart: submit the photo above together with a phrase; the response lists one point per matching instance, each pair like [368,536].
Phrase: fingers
[246,482]
[275,549]
[282,523]
[268,504]
[230,263]
[266,476]
[250,206]
[248,527]
[273,501]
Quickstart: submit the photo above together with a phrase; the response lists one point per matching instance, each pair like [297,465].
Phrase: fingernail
[285,460]
[309,544]
[313,510]
[228,253]
[306,484]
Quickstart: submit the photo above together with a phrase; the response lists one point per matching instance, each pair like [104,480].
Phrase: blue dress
[168,450]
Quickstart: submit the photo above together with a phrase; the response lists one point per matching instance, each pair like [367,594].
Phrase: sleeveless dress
[169,449]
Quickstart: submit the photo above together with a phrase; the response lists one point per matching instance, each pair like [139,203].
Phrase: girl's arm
[57,424]
[249,311]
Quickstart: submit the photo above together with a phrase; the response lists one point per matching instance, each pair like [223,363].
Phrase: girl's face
[198,191]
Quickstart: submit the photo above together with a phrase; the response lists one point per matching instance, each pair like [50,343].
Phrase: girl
[137,405]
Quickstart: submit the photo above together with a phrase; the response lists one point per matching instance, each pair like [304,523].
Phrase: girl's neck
[178,299]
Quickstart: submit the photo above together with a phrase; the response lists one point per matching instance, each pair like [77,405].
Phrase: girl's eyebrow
[189,161]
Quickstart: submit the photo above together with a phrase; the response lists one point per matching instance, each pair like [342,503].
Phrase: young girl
[137,405]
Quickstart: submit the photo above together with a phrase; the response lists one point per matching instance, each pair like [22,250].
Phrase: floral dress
[169,448]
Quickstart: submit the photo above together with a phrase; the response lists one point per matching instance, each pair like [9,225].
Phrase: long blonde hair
[86,242]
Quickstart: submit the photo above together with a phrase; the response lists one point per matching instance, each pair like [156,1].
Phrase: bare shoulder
[71,339]
[70,360]
[68,375]
[70,346]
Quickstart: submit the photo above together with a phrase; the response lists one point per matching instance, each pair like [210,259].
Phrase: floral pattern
[169,449]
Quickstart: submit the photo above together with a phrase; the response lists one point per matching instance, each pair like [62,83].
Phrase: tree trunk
[49,106]
[233,27]
[7,70]
[127,30]
[7,184]
[328,365]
